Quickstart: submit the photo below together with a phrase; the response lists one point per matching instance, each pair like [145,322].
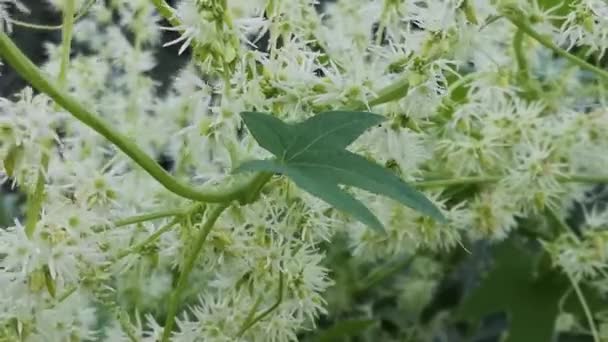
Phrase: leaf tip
[377,226]
[438,216]
[245,115]
[435,213]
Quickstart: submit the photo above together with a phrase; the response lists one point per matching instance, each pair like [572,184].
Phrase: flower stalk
[174,299]
[36,199]
[518,19]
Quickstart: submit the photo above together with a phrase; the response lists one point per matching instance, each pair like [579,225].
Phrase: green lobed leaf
[510,287]
[313,154]
[338,198]
[333,130]
[270,132]
[347,168]
[321,188]
[529,294]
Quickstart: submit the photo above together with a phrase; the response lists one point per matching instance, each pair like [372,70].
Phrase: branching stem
[174,299]
[425,184]
[519,19]
[152,216]
[151,239]
[586,310]
[36,198]
[251,322]
[455,181]
[520,54]
[167,12]
[66,40]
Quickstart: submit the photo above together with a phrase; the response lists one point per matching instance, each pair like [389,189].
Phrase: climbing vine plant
[328,168]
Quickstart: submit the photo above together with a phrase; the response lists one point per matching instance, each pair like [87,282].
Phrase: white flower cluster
[586,26]
[488,137]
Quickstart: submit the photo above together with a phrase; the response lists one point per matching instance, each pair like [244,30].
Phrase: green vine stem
[462,81]
[598,179]
[66,40]
[252,321]
[34,76]
[187,269]
[520,55]
[67,293]
[34,26]
[166,12]
[425,184]
[585,306]
[561,227]
[35,199]
[519,20]
[154,216]
[256,188]
[250,316]
[392,92]
[152,238]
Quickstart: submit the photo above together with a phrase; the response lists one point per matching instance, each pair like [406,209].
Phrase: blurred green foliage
[523,284]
